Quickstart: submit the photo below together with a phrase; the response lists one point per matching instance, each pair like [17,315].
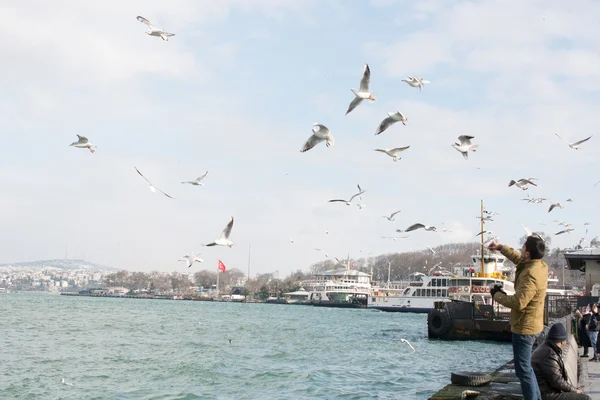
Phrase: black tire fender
[438,323]
[464,378]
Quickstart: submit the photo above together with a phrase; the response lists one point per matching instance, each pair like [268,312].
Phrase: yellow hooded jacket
[527,304]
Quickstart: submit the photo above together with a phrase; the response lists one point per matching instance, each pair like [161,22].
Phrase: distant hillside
[62,264]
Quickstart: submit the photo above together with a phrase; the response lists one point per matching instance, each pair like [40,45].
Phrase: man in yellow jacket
[526,305]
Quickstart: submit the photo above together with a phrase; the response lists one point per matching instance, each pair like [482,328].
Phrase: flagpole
[218,280]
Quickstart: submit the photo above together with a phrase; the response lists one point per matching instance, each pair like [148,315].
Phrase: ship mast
[482,233]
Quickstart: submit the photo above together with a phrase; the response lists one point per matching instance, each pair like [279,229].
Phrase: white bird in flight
[418,226]
[154,31]
[415,81]
[364,92]
[347,201]
[189,260]
[84,143]
[394,237]
[391,119]
[444,228]
[152,187]
[320,133]
[224,239]
[393,152]
[430,249]
[574,145]
[392,216]
[568,230]
[465,145]
[554,205]
[292,241]
[63,381]
[197,181]
[522,183]
[408,343]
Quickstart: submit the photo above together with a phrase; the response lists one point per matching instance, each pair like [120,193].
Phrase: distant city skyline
[236,92]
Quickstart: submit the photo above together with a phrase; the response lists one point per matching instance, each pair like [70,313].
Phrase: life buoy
[450,289]
[487,289]
[459,289]
[439,323]
[475,289]
[467,289]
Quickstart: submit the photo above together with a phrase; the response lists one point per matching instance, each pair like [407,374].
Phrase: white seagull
[224,239]
[364,92]
[320,133]
[83,143]
[347,201]
[568,230]
[465,145]
[197,181]
[444,228]
[554,205]
[393,152]
[152,187]
[189,260]
[407,342]
[154,31]
[432,251]
[527,231]
[64,382]
[522,183]
[574,145]
[415,81]
[392,215]
[391,119]
[418,226]
[394,237]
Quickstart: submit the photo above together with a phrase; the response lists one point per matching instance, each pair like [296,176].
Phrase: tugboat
[471,314]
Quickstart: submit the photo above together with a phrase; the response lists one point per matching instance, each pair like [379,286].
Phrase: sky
[235,92]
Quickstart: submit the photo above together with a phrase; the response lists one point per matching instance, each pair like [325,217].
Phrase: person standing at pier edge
[585,338]
[592,330]
[550,370]
[526,306]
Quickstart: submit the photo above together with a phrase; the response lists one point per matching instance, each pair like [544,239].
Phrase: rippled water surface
[110,348]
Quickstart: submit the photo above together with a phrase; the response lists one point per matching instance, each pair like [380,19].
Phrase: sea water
[112,348]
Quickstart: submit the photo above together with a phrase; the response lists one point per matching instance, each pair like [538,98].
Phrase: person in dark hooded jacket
[549,368]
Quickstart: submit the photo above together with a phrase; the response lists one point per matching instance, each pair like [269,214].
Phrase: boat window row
[430,293]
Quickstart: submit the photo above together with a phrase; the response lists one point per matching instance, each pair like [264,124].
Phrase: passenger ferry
[421,291]
[341,286]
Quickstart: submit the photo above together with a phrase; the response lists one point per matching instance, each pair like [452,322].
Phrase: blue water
[160,349]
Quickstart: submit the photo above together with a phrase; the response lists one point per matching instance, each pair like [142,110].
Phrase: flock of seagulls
[321,133]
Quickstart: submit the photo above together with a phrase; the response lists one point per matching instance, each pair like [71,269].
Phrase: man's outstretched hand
[495,246]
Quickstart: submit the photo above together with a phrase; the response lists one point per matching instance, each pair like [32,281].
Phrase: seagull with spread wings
[393,152]
[465,145]
[320,133]
[347,201]
[197,181]
[568,230]
[83,143]
[392,216]
[154,31]
[152,187]
[522,183]
[418,226]
[189,260]
[391,119]
[407,342]
[554,205]
[574,145]
[415,81]
[364,92]
[224,239]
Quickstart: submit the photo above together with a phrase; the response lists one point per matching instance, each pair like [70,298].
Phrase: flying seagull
[394,237]
[152,187]
[347,201]
[364,92]
[189,260]
[415,81]
[154,31]
[197,181]
[392,215]
[407,342]
[391,119]
[521,183]
[418,226]
[465,145]
[64,382]
[553,205]
[482,232]
[432,251]
[224,239]
[83,143]
[320,133]
[574,145]
[444,228]
[393,152]
[568,230]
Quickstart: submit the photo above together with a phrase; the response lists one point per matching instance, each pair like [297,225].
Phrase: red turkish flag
[222,266]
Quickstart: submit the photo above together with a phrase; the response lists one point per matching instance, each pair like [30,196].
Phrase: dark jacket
[595,317]
[549,369]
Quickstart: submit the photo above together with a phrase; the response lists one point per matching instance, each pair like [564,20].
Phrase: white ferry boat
[343,286]
[420,293]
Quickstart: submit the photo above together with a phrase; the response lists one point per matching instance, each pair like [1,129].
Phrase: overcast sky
[236,91]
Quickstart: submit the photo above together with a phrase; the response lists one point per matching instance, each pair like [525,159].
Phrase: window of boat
[444,293]
[406,290]
[439,293]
